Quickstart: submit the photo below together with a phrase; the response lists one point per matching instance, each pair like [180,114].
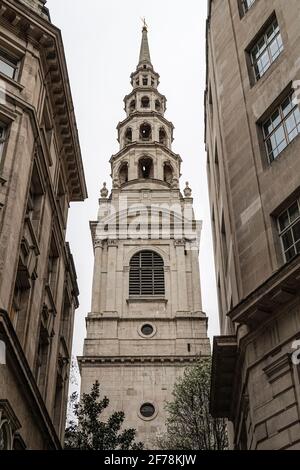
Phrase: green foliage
[89,433]
[189,423]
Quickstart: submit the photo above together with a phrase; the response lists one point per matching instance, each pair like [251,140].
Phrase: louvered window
[146,275]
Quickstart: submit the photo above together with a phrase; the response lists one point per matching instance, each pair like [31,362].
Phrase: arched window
[168,173]
[162,136]
[145,131]
[145,102]
[146,274]
[123,173]
[157,105]
[132,106]
[5,436]
[128,136]
[146,168]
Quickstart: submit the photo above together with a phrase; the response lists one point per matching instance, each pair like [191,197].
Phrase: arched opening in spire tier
[146,168]
[123,173]
[162,136]
[145,102]
[145,132]
[157,106]
[128,136]
[168,173]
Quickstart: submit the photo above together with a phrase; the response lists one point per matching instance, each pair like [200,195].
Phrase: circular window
[147,410]
[147,330]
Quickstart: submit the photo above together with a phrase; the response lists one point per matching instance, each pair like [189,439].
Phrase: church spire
[145,51]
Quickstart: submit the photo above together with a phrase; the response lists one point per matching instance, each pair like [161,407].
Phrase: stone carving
[187,191]
[104,191]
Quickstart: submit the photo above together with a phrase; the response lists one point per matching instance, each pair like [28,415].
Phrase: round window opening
[147,330]
[147,410]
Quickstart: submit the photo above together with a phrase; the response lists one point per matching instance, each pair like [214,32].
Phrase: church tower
[146,323]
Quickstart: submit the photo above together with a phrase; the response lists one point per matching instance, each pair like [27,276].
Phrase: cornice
[136,360]
[137,145]
[33,28]
[145,90]
[145,114]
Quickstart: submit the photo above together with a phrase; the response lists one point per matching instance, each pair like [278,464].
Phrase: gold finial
[144,23]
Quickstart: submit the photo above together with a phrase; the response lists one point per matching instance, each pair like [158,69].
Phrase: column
[96,301]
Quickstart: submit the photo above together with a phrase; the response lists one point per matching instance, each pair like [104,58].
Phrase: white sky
[102,42]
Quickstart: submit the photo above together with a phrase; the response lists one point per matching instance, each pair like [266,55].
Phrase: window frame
[145,279]
[263,36]
[289,229]
[245,7]
[3,139]
[12,62]
[281,124]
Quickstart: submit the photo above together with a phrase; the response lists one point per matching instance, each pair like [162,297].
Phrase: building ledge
[95,361]
[147,299]
[223,376]
[281,288]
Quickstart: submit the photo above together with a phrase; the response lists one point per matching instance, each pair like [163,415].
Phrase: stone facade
[40,174]
[252,139]
[146,322]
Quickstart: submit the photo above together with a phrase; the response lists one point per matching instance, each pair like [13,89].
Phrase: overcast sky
[102,42]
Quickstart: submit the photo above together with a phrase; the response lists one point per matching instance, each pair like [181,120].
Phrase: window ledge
[11,81]
[145,298]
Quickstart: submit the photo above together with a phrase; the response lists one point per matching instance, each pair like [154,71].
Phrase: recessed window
[8,65]
[3,130]
[145,81]
[246,5]
[147,410]
[123,173]
[145,102]
[281,128]
[146,275]
[128,136]
[147,330]
[145,168]
[289,231]
[162,136]
[5,440]
[157,106]
[266,50]
[145,131]
[168,173]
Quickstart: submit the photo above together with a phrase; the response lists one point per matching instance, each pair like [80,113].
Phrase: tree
[189,423]
[89,433]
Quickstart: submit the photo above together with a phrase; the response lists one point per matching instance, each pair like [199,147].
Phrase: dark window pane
[287,240]
[283,221]
[147,410]
[293,211]
[296,232]
[287,106]
[290,254]
[147,330]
